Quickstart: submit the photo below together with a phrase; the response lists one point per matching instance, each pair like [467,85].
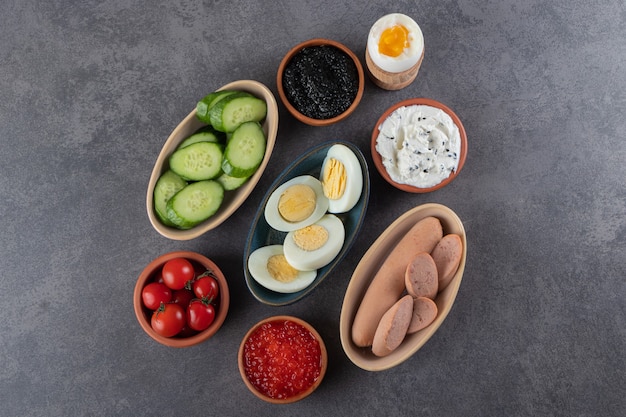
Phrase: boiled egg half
[296,203]
[395,43]
[269,267]
[315,246]
[341,178]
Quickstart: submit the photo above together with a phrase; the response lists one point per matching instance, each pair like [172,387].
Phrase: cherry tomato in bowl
[168,320]
[177,272]
[200,314]
[154,294]
[182,297]
[186,337]
[206,286]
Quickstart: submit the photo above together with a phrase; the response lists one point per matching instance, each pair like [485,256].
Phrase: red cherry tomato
[206,287]
[168,320]
[177,272]
[200,315]
[182,297]
[154,294]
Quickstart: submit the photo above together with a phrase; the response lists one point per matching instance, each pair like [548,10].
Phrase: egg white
[354,180]
[304,260]
[257,265]
[273,216]
[409,57]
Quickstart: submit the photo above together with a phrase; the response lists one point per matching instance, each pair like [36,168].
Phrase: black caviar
[321,81]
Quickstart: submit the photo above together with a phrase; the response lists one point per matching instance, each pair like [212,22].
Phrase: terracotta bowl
[283,95]
[144,315]
[367,268]
[378,160]
[301,395]
[232,199]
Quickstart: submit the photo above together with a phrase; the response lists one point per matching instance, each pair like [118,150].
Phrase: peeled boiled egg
[315,246]
[341,178]
[395,43]
[269,267]
[296,203]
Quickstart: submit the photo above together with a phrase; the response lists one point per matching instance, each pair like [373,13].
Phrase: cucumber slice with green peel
[233,110]
[168,184]
[231,183]
[204,106]
[245,150]
[198,161]
[195,203]
[204,136]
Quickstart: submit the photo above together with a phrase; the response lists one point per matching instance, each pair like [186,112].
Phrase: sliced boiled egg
[395,43]
[269,267]
[341,178]
[296,203]
[316,245]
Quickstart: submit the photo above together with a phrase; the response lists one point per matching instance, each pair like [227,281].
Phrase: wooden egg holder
[391,80]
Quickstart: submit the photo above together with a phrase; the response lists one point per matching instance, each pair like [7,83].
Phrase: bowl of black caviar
[320,82]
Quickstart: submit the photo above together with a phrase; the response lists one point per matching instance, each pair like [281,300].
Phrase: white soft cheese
[419,145]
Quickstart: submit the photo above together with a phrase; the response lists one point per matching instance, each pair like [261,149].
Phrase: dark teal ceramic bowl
[262,234]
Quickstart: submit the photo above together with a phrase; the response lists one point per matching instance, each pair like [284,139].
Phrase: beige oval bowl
[365,271]
[232,199]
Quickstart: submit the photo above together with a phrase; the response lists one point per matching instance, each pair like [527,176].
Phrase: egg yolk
[280,270]
[297,203]
[334,179]
[393,40]
[311,237]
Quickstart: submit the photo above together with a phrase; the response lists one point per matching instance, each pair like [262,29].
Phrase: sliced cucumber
[204,134]
[202,137]
[231,183]
[168,184]
[204,106]
[231,111]
[195,203]
[198,161]
[245,150]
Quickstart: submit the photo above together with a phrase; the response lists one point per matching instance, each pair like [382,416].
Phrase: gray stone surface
[90,90]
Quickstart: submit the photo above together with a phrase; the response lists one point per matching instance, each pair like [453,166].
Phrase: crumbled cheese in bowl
[420,145]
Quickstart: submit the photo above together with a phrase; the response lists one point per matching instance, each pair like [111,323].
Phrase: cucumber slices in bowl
[217,158]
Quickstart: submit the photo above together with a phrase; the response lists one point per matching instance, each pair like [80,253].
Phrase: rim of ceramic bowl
[283,96]
[323,359]
[378,162]
[143,315]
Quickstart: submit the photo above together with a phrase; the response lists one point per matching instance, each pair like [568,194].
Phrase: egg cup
[394,51]
[391,80]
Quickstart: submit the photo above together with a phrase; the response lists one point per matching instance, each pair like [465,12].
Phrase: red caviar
[282,359]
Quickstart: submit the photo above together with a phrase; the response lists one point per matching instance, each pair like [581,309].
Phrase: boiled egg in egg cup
[320,245]
[394,52]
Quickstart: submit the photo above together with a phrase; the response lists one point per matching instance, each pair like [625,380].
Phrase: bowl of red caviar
[282,359]
[320,81]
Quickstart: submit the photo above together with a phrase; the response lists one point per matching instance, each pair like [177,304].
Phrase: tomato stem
[207,273]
